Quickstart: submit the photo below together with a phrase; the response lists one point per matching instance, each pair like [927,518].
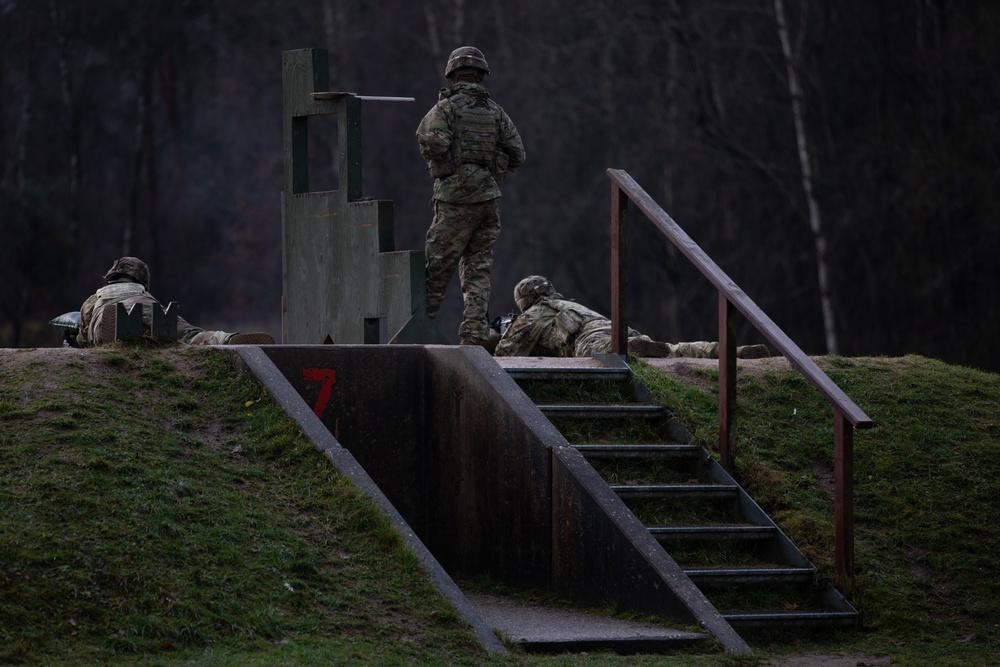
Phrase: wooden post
[843,509]
[732,299]
[727,382]
[349,141]
[619,271]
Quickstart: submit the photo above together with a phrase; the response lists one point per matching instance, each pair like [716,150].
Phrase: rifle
[501,323]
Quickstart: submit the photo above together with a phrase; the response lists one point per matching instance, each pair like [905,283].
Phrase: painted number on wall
[328,377]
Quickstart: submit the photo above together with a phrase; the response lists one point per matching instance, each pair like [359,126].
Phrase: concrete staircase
[726,544]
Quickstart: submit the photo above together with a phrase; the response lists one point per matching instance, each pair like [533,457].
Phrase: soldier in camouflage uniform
[552,326]
[128,283]
[469,144]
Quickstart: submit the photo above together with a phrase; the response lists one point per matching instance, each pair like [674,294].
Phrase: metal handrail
[847,415]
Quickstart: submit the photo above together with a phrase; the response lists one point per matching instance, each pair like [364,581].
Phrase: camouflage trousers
[594,337]
[192,335]
[462,237]
[102,329]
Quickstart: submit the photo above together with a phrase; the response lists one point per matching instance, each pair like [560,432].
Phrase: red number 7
[328,377]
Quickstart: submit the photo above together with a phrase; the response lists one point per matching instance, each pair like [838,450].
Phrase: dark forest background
[838,158]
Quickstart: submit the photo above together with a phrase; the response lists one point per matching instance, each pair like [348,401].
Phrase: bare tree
[506,56]
[808,181]
[458,23]
[67,88]
[888,146]
[433,34]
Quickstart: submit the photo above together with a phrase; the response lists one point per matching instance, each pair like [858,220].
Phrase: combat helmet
[132,268]
[530,290]
[466,56]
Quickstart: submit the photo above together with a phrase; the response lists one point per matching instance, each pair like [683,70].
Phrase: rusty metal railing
[846,415]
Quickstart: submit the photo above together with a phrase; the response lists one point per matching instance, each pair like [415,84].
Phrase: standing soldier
[469,144]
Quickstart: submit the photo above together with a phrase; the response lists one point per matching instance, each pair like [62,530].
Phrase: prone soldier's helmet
[132,268]
[530,290]
[466,56]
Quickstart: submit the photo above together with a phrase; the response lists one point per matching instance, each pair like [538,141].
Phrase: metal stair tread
[714,532]
[766,573]
[791,617]
[651,450]
[605,411]
[563,368]
[584,373]
[677,490]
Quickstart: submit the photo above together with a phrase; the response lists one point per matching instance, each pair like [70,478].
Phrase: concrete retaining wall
[484,479]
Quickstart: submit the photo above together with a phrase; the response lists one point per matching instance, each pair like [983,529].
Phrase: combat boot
[254,338]
[105,330]
[638,347]
[752,352]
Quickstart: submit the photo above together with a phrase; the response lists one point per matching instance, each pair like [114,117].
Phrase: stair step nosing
[750,575]
[787,615]
[635,453]
[792,619]
[528,373]
[707,490]
[650,448]
[741,571]
[602,409]
[745,532]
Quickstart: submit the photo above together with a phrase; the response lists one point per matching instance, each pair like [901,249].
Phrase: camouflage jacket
[127,293]
[131,294]
[558,327]
[466,183]
[549,329]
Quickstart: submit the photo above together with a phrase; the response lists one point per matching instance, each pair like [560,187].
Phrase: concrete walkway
[538,628]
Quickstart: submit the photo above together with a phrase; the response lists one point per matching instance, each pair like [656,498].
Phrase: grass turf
[159,510]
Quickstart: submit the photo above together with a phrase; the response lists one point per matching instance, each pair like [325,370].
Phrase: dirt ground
[693,370]
[821,660]
[14,361]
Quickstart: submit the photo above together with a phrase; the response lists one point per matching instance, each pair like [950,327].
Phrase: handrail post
[619,270]
[847,415]
[843,509]
[727,382]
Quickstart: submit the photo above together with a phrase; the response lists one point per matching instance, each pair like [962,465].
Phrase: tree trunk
[808,181]
[14,171]
[131,222]
[458,27]
[69,96]
[671,312]
[433,35]
[503,44]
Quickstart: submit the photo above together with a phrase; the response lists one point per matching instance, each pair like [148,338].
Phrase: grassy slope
[157,509]
[156,504]
[927,480]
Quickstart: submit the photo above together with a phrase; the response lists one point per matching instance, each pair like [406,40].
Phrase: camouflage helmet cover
[466,56]
[530,290]
[129,267]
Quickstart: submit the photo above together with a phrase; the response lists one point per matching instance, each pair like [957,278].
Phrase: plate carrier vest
[477,131]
